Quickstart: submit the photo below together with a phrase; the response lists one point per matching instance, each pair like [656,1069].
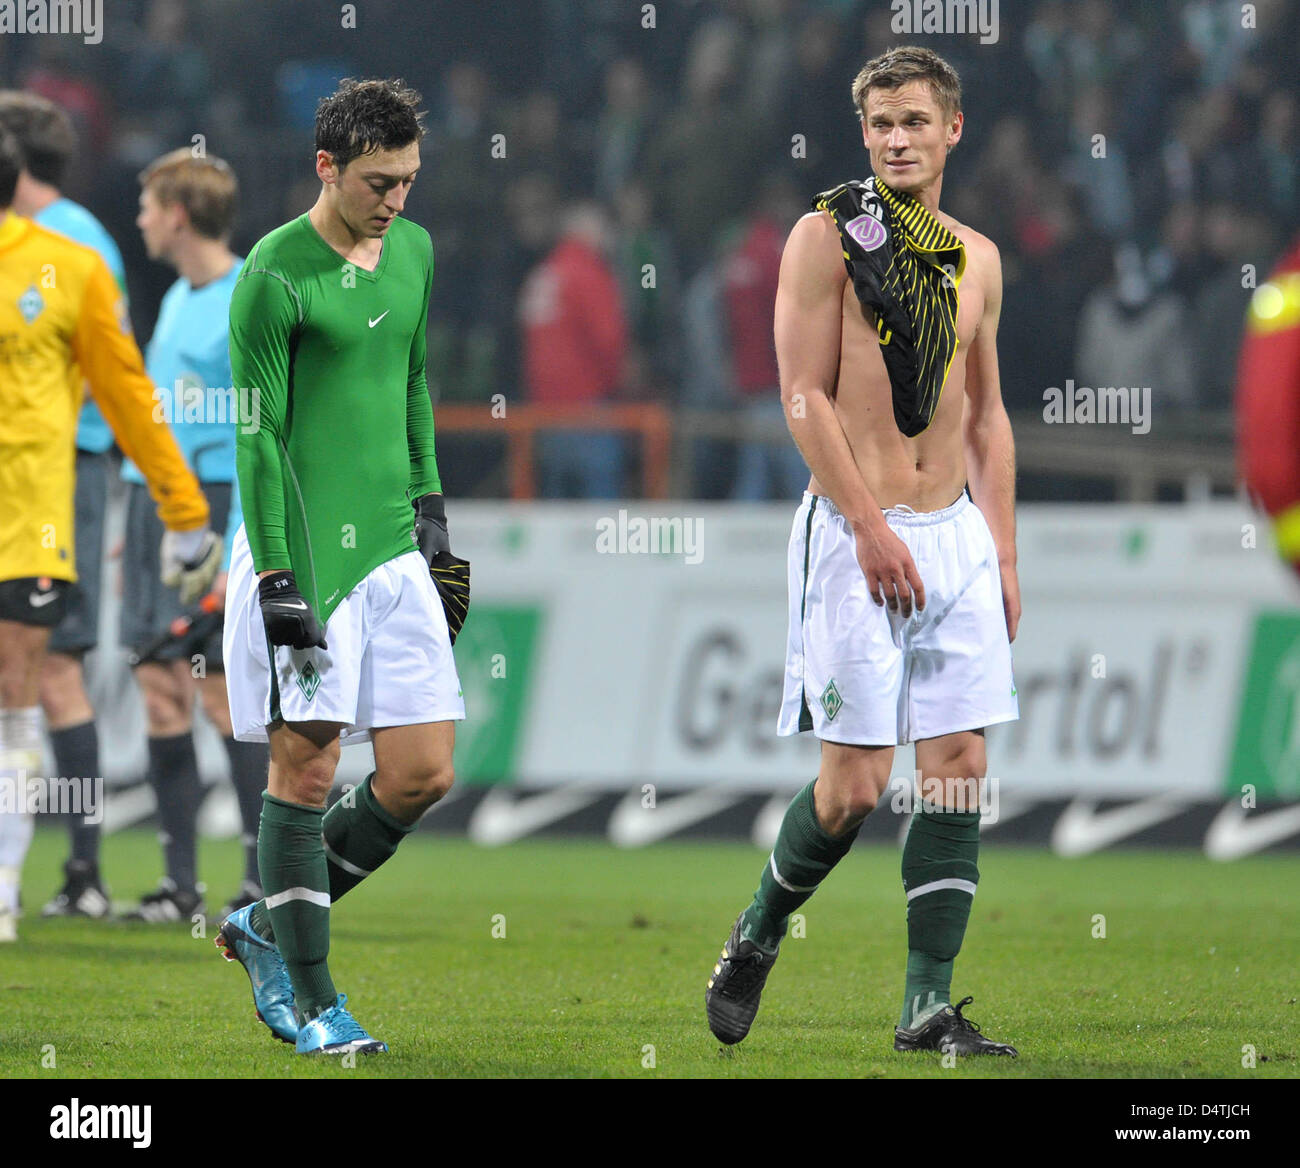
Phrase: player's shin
[296,882]
[76,752]
[20,759]
[940,872]
[249,763]
[174,776]
[359,836]
[803,855]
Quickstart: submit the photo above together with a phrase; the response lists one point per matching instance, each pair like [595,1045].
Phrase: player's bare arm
[809,315]
[986,429]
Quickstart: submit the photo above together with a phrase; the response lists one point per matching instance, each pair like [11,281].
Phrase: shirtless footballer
[902,561]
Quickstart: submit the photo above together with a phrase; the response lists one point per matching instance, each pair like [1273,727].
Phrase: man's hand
[450,573]
[1010,598]
[288,617]
[431,527]
[891,575]
[190,561]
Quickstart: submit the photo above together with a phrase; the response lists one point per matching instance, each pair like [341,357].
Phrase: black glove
[431,527]
[450,573]
[288,617]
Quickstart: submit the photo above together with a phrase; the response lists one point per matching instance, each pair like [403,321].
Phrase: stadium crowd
[609,200]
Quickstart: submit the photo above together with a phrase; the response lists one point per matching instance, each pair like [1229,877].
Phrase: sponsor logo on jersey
[868,231]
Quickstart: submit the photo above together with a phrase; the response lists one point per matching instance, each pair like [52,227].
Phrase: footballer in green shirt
[344,598]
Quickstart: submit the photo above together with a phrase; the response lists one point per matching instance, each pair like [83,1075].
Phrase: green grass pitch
[602,967]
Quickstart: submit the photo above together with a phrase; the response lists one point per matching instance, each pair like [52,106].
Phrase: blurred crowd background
[692,146]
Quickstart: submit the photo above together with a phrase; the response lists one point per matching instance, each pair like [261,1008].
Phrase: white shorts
[857,673]
[389,661]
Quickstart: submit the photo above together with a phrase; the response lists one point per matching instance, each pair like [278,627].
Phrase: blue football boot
[336,1032]
[272,989]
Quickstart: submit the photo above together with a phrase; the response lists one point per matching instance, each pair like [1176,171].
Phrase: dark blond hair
[894,68]
[203,184]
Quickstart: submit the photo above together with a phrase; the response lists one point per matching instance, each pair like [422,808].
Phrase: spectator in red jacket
[575,346]
[766,468]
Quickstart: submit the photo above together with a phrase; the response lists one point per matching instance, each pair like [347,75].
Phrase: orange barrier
[521,423]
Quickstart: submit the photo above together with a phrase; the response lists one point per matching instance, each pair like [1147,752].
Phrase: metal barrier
[1189,455]
[520,424]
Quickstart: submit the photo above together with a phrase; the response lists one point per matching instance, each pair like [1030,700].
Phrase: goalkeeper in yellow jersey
[62,317]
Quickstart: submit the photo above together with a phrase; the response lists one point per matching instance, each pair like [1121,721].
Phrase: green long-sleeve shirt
[343,438]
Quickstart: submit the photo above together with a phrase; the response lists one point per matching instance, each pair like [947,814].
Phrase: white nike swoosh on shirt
[40,600]
[634,826]
[1232,835]
[379,317]
[293,604]
[1082,829]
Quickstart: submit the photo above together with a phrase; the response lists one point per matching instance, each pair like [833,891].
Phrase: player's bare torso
[927,472]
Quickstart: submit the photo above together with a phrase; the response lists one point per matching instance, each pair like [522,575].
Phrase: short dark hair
[361,117]
[895,67]
[11,164]
[44,132]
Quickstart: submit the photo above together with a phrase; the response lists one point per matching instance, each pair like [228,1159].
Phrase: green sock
[804,853]
[359,836]
[940,872]
[295,877]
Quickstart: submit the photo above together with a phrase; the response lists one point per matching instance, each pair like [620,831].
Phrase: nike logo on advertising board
[1232,834]
[501,819]
[634,825]
[1082,829]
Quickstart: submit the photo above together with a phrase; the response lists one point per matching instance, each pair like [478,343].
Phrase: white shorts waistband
[902,513]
